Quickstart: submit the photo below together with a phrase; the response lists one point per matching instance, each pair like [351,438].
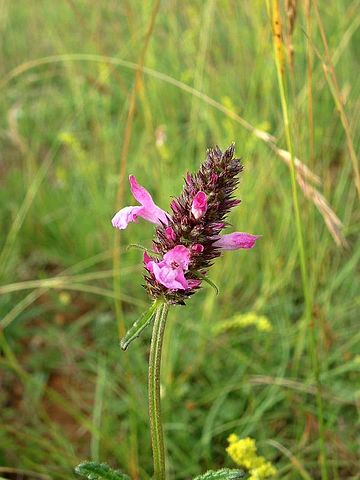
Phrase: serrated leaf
[222,474]
[99,471]
[140,324]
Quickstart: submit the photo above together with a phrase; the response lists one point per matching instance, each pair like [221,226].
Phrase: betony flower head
[188,239]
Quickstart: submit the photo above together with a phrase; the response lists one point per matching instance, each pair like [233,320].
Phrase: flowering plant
[243,452]
[186,242]
[188,239]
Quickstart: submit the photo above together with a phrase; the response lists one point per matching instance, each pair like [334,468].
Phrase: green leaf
[211,283]
[207,280]
[140,324]
[223,474]
[99,471]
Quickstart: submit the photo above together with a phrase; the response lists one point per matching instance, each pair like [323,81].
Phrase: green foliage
[211,283]
[222,474]
[102,471]
[140,325]
[99,471]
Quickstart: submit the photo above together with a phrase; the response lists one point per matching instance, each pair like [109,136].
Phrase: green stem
[157,439]
[303,264]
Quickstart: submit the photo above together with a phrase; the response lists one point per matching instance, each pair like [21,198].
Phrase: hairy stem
[157,439]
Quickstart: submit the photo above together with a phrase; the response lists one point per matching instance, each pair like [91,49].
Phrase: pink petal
[150,262]
[140,193]
[155,215]
[151,212]
[199,205]
[126,215]
[180,277]
[168,276]
[178,256]
[236,240]
[147,258]
[170,234]
[150,266]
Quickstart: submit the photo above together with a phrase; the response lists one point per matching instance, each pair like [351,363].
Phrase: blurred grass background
[76,118]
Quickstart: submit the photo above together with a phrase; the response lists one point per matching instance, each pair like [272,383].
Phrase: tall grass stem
[299,233]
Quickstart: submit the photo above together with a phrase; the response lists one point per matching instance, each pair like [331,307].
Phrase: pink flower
[170,270]
[148,209]
[236,240]
[199,205]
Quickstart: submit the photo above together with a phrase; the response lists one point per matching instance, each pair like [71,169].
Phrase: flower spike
[188,240]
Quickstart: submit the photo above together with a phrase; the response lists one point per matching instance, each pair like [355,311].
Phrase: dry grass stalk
[301,168]
[300,387]
[331,78]
[303,173]
[331,220]
[303,176]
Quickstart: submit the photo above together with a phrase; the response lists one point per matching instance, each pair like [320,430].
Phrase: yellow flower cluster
[260,322]
[243,452]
